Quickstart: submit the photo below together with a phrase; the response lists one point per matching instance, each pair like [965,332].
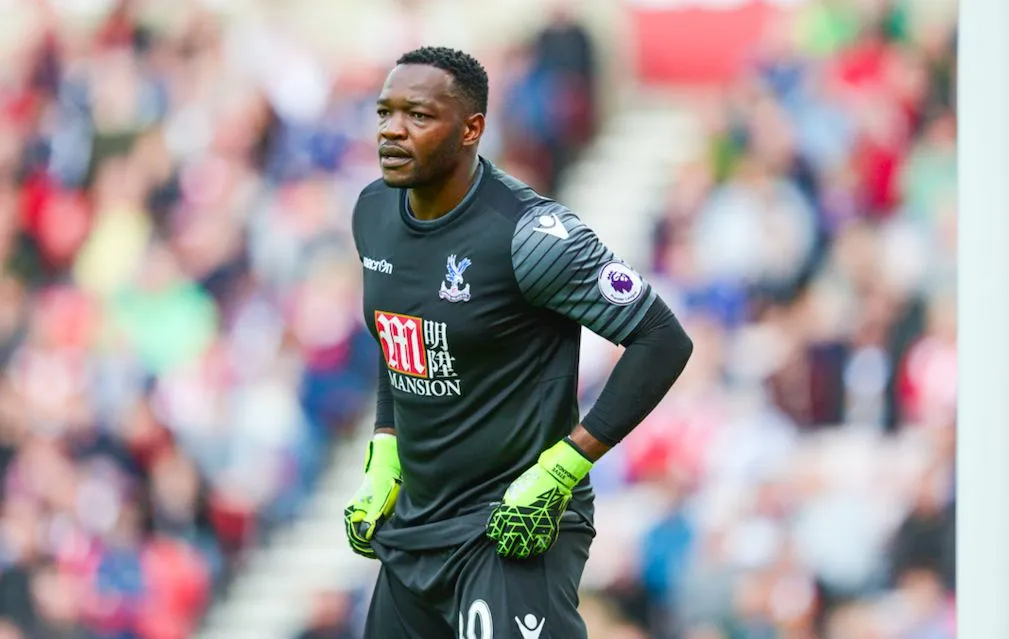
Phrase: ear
[472,129]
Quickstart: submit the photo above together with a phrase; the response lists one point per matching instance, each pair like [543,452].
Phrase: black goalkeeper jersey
[478,316]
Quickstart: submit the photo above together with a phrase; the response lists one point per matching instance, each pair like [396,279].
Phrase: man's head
[430,116]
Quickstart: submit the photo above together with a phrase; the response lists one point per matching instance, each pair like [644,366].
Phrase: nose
[391,128]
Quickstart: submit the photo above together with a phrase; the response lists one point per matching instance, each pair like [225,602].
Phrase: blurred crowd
[180,341]
[804,464]
[178,336]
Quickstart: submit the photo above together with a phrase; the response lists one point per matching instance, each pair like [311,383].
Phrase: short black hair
[467,72]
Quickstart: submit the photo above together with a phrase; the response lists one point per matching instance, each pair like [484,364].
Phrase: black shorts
[472,593]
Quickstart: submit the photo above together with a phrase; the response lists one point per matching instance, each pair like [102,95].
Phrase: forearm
[385,420]
[655,355]
[588,444]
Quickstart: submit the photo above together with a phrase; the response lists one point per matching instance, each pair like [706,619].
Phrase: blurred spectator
[331,618]
[604,620]
[926,539]
[550,102]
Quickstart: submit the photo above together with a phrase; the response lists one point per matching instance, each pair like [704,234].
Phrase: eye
[383,112]
[420,117]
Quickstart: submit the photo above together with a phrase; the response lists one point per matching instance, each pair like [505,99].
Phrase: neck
[430,202]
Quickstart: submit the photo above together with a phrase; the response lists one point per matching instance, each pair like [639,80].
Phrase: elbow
[662,341]
[683,350]
[669,350]
[686,348]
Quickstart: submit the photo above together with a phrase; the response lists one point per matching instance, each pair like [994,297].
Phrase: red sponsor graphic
[402,340]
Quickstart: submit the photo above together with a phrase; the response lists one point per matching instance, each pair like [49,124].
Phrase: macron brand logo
[530,627]
[379,266]
[551,225]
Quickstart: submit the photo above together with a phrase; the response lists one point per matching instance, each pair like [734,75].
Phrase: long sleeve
[560,264]
[657,352]
[384,407]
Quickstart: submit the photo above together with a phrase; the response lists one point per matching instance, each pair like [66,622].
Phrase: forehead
[417,82]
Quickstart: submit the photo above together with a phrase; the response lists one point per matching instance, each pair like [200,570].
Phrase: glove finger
[364,551]
[506,547]
[520,549]
[362,548]
[352,535]
[500,530]
[355,513]
[364,530]
[383,502]
[522,532]
[511,540]
[369,523]
[358,545]
[494,525]
[351,516]
[543,544]
[512,550]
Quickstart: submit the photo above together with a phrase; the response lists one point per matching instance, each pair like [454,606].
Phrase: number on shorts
[477,617]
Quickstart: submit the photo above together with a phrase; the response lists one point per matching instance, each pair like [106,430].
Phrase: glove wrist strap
[565,463]
[570,442]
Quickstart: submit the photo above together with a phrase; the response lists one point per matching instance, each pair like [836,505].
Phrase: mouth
[394,161]
[393,157]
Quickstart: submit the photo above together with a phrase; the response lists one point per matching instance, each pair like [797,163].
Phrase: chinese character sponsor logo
[417,354]
[452,292]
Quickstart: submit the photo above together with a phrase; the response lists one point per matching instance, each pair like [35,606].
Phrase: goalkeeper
[476,495]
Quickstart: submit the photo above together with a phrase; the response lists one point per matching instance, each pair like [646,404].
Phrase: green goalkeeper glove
[375,500]
[527,521]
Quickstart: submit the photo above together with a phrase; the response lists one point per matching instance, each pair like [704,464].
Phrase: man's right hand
[375,500]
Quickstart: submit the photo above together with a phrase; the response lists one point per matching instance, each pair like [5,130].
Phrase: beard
[428,168]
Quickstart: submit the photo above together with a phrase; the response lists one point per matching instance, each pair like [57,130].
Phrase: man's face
[422,126]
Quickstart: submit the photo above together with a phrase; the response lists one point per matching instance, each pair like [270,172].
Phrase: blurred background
[186,384]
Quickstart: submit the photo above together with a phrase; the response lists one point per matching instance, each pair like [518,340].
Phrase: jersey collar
[430,225]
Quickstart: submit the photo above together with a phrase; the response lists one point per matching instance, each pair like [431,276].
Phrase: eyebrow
[411,102]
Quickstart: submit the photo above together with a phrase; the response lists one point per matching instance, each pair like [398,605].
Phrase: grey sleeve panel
[560,264]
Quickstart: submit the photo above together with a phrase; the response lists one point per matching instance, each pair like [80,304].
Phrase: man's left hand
[527,521]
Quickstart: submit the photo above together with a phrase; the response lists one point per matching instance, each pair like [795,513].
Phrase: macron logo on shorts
[530,627]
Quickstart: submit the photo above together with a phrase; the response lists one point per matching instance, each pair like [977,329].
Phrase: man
[476,495]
